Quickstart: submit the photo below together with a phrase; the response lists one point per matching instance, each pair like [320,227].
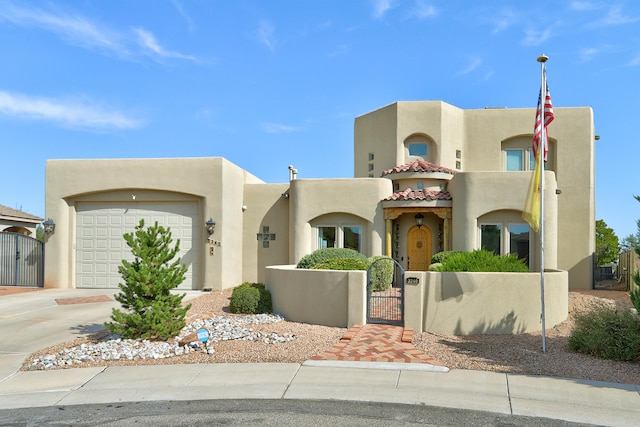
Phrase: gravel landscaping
[272,339]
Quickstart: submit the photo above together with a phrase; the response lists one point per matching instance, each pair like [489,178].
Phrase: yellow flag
[531,211]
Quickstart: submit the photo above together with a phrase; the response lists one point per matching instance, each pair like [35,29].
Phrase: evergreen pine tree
[152,311]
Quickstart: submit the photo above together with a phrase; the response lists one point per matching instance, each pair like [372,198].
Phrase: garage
[100,247]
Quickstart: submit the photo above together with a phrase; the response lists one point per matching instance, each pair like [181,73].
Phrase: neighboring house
[15,221]
[461,174]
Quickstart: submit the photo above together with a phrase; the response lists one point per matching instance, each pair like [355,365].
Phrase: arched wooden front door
[419,248]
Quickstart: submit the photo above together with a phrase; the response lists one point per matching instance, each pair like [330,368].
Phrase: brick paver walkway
[376,343]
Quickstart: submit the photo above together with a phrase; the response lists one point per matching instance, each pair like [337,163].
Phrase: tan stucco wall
[312,198]
[445,303]
[484,303]
[265,207]
[318,297]
[479,135]
[206,180]
[476,194]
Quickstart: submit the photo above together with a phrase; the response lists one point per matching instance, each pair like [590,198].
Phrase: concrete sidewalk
[32,321]
[562,399]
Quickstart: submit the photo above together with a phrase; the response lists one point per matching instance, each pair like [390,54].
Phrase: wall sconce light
[49,227]
[211,226]
[419,217]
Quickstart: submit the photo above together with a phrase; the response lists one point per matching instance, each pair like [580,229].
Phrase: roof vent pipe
[293,173]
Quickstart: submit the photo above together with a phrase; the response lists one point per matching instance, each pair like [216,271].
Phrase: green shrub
[483,261]
[151,311]
[250,298]
[341,264]
[323,254]
[606,332]
[635,292]
[382,269]
[441,256]
[436,266]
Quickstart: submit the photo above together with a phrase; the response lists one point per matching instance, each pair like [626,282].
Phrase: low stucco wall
[319,297]
[445,303]
[484,303]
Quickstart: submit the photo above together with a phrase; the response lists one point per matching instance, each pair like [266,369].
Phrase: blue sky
[268,83]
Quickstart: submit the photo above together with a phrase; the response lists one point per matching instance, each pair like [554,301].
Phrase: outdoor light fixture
[419,217]
[49,227]
[211,226]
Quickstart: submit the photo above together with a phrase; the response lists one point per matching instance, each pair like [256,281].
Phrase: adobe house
[461,174]
[17,221]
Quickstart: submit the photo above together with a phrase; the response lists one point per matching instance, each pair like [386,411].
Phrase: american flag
[548,118]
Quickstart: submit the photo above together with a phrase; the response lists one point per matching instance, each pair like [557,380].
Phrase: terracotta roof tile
[419,166]
[409,194]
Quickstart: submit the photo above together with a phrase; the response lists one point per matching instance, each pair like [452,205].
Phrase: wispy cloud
[74,29]
[279,128]
[81,31]
[339,51]
[265,35]
[588,53]
[190,24]
[148,42]
[582,6]
[424,10]
[615,16]
[635,60]
[503,20]
[68,113]
[536,37]
[475,63]
[381,7]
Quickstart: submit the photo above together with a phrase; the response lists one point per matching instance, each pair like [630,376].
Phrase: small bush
[441,256]
[250,298]
[483,261]
[635,292]
[607,333]
[436,266]
[341,264]
[323,254]
[382,269]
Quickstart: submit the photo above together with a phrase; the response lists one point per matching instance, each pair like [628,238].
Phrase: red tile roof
[409,194]
[418,166]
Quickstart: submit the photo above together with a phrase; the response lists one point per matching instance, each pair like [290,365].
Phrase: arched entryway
[419,248]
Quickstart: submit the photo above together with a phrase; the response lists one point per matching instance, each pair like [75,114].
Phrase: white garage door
[100,247]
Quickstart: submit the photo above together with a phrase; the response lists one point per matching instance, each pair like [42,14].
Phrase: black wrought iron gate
[385,292]
[21,260]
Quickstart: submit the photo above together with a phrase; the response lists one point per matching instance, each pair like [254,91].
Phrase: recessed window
[326,237]
[370,167]
[371,157]
[418,149]
[514,160]
[347,236]
[506,238]
[458,154]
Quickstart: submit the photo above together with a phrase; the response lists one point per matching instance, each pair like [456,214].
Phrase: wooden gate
[385,292]
[21,260]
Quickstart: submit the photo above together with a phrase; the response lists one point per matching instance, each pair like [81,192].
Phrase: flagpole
[541,144]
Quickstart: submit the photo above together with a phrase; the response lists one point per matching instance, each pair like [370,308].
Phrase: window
[490,238]
[506,238]
[514,160]
[371,157]
[349,237]
[418,149]
[370,167]
[326,237]
[352,238]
